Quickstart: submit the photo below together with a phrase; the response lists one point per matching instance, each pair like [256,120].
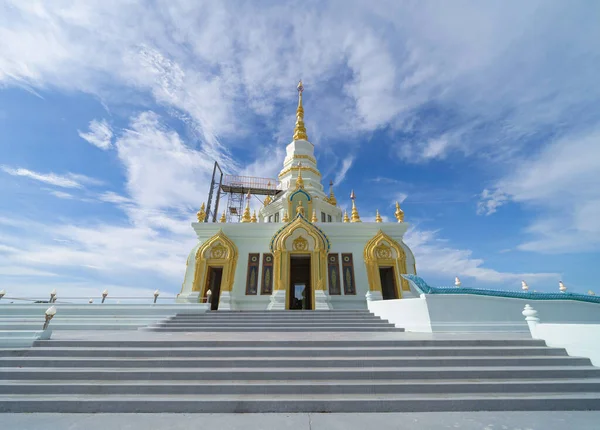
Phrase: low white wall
[410,314]
[485,313]
[581,340]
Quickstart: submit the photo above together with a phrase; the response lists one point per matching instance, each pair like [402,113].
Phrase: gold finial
[355,216]
[268,200]
[346,219]
[332,198]
[378,217]
[201,215]
[246,216]
[253,219]
[286,217]
[314,216]
[299,180]
[299,129]
[223,218]
[399,213]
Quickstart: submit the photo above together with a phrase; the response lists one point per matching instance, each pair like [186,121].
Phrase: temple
[300,251]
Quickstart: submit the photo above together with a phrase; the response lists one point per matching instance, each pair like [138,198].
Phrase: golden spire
[378,217]
[268,200]
[286,217]
[253,219]
[332,198]
[246,216]
[355,216]
[299,180]
[300,130]
[314,216]
[223,218]
[201,215]
[346,219]
[399,213]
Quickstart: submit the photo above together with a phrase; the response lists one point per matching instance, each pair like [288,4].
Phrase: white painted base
[322,300]
[225,301]
[373,295]
[191,297]
[277,301]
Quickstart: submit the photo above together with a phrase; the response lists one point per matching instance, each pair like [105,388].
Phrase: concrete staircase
[275,321]
[293,372]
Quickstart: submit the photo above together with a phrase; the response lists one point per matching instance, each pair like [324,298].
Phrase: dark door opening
[300,296]
[388,284]
[215,274]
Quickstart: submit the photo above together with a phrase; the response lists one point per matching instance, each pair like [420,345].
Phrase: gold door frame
[379,252]
[218,252]
[282,257]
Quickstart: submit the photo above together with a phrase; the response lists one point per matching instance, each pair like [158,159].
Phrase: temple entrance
[300,292]
[213,284]
[388,285]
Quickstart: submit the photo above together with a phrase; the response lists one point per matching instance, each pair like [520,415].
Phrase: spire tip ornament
[355,216]
[314,216]
[399,214]
[378,217]
[246,216]
[299,129]
[346,219]
[223,217]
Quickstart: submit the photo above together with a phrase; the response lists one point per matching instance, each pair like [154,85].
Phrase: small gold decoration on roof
[246,216]
[378,217]
[299,180]
[286,217]
[300,208]
[201,215]
[346,219]
[299,129]
[332,200]
[355,216]
[399,213]
[314,216]
[223,217]
[253,219]
[268,200]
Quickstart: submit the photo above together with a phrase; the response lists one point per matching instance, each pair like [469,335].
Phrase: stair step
[287,352]
[302,373]
[298,403]
[261,362]
[331,387]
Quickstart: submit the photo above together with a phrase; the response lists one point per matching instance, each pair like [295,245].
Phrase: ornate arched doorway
[299,246]
[386,261]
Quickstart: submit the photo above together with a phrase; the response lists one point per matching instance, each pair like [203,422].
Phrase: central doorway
[213,284]
[388,284]
[300,292]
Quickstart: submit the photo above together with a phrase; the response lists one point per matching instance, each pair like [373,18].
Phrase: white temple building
[301,251]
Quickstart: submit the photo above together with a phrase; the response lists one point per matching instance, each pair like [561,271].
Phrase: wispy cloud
[490,201]
[100,134]
[70,180]
[343,170]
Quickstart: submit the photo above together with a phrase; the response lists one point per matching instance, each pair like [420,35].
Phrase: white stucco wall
[256,238]
[411,314]
[580,340]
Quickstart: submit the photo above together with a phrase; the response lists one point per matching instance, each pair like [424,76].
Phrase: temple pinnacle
[299,129]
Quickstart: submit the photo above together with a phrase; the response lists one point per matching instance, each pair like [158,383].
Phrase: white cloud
[435,257]
[100,134]
[70,180]
[343,170]
[490,201]
[61,194]
[562,185]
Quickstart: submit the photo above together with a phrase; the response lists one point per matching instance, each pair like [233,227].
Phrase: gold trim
[304,157]
[201,215]
[223,254]
[282,255]
[299,129]
[306,168]
[379,253]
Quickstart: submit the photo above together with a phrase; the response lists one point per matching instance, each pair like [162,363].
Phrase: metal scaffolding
[236,187]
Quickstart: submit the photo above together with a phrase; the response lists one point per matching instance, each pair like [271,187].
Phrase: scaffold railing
[251,184]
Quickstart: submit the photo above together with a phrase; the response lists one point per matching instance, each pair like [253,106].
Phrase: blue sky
[481,117]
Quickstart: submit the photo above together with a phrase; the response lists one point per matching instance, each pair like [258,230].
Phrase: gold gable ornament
[300,244]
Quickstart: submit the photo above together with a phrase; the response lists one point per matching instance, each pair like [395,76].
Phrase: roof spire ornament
[399,213]
[332,198]
[201,215]
[299,180]
[378,217]
[299,129]
[286,217]
[346,219]
[253,219]
[300,209]
[246,216]
[314,216]
[268,200]
[355,216]
[223,217]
